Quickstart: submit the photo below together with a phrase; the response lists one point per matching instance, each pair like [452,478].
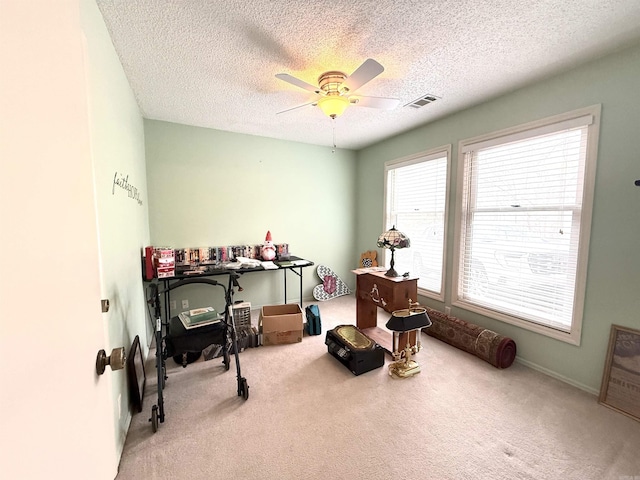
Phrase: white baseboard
[557,376]
[123,434]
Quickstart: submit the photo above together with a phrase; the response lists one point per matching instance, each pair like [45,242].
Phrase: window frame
[573,336]
[420,157]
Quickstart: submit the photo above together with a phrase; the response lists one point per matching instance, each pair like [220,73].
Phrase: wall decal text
[122,181]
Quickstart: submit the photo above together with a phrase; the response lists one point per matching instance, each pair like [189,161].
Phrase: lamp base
[404,366]
[391,273]
[404,369]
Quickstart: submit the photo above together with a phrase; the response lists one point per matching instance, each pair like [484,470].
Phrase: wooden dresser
[375,290]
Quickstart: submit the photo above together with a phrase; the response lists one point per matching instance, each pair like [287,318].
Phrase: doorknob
[116,360]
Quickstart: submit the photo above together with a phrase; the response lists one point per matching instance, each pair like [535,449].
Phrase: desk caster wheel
[243,388]
[154,418]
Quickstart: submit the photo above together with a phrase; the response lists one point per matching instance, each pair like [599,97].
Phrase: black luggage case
[354,349]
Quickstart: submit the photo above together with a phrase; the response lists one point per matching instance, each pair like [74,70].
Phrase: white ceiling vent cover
[422,101]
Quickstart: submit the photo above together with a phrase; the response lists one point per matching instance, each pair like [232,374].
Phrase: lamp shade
[393,239]
[406,320]
[333,105]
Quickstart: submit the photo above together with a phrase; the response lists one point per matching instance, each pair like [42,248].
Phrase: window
[524,211]
[416,201]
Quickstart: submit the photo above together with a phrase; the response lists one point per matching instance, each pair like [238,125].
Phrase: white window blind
[521,214]
[416,205]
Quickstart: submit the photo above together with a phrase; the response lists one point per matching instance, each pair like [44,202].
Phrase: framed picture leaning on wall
[620,389]
[136,375]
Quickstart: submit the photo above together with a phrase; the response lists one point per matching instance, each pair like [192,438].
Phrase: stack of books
[199,317]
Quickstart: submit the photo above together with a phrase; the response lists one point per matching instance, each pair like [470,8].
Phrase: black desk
[293,264]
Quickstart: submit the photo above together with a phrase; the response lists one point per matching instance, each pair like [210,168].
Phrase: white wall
[213,188]
[614,261]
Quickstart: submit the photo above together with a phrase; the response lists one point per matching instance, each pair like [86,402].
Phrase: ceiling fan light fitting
[333,105]
[331,81]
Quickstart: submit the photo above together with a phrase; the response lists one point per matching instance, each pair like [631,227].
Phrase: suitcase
[314,324]
[354,349]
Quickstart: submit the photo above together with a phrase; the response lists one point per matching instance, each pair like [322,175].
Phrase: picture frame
[136,375]
[620,389]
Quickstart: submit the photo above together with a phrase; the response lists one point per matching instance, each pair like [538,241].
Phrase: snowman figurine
[268,251]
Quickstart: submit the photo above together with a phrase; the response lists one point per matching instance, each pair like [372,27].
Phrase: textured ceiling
[212,63]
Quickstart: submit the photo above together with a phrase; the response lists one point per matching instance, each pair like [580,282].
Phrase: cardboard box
[280,324]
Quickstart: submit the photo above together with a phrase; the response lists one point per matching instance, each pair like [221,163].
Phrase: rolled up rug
[498,350]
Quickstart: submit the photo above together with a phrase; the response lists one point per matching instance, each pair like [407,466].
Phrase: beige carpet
[308,417]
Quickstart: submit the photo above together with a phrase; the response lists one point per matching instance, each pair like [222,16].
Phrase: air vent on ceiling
[422,101]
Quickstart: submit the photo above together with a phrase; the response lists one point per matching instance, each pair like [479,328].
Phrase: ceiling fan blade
[298,83]
[369,70]
[374,102]
[314,103]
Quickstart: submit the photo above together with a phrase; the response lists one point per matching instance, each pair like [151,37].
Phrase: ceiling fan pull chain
[333,122]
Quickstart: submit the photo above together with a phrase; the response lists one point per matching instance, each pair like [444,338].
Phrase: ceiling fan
[335,90]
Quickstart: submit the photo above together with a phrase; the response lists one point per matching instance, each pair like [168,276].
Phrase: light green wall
[117,143]
[214,188]
[613,283]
